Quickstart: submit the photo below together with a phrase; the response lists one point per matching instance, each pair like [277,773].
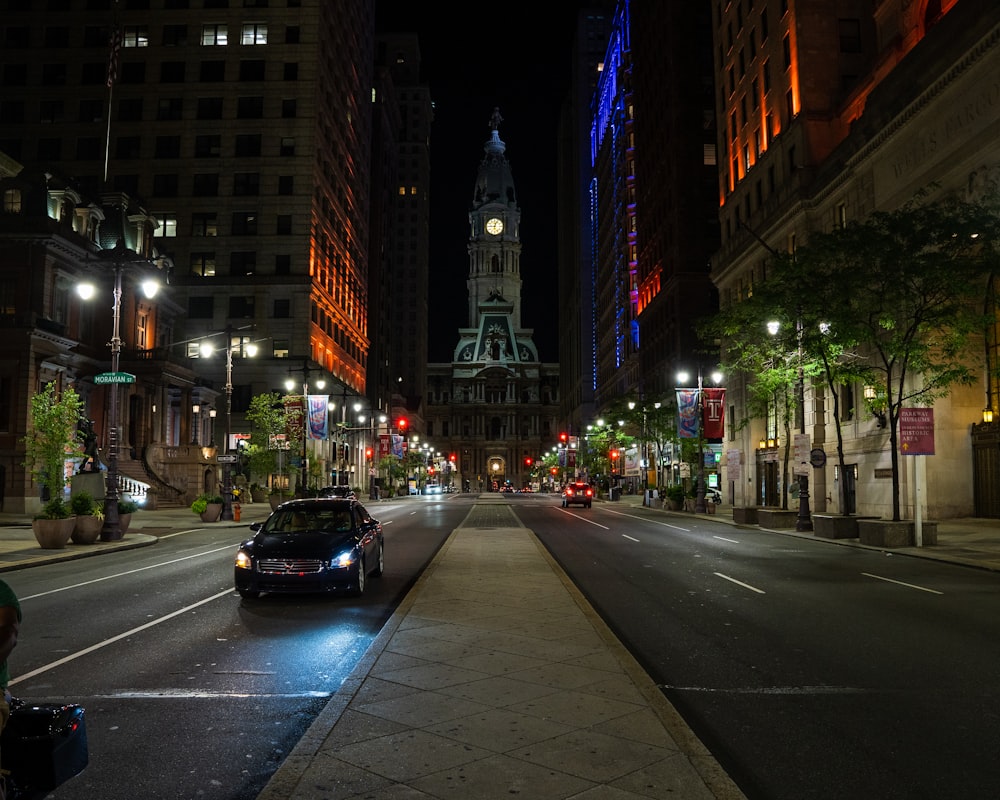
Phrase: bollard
[236,512]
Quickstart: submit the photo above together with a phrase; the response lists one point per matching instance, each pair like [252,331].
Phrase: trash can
[616,492]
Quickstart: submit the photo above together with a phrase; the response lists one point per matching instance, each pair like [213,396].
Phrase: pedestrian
[10,623]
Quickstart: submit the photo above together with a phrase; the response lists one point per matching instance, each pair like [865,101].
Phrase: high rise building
[244,133]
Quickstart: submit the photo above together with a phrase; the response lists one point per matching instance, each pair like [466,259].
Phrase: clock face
[494,225]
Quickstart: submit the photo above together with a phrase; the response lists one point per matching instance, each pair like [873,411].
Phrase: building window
[88,148]
[250,108]
[211,71]
[252,69]
[244,223]
[241,307]
[786,52]
[170,108]
[248,144]
[207,145]
[172,72]
[209,108]
[12,201]
[292,34]
[214,35]
[286,184]
[203,265]
[205,184]
[49,111]
[127,147]
[133,72]
[167,229]
[289,108]
[765,71]
[254,33]
[282,309]
[165,185]
[284,227]
[174,35]
[168,147]
[135,36]
[53,74]
[243,263]
[246,184]
[93,73]
[290,72]
[204,224]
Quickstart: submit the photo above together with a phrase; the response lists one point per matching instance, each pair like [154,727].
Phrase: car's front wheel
[360,577]
[380,566]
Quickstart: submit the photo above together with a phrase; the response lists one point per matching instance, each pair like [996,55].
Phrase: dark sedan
[311,545]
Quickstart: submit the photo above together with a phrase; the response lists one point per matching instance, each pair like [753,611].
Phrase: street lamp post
[112,530]
[803,521]
[699,503]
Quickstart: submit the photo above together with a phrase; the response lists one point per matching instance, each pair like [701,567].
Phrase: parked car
[311,545]
[581,494]
[337,491]
[712,495]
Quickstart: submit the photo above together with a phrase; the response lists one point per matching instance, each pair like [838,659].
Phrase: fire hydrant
[236,512]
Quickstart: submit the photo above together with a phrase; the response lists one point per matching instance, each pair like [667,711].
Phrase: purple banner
[687,413]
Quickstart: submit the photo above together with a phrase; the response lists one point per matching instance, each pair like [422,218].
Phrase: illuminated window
[214,35]
[254,33]
[135,36]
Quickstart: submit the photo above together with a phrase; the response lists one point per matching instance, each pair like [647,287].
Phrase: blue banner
[687,413]
[317,415]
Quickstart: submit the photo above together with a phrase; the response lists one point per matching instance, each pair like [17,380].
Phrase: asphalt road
[809,670]
[191,692]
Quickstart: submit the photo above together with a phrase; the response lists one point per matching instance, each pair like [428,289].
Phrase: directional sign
[228,458]
[916,431]
[114,377]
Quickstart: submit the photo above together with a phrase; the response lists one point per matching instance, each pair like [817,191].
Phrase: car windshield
[330,521]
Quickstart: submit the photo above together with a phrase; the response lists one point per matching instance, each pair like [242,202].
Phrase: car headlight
[243,560]
[343,561]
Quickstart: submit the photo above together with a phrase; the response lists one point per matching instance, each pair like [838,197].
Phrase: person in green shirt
[10,623]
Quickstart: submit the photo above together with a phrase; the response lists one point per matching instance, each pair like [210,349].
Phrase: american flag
[113,58]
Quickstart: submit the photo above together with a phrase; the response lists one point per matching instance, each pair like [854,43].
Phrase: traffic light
[401,424]
[614,455]
[554,470]
[368,453]
[563,438]
[452,458]
[528,461]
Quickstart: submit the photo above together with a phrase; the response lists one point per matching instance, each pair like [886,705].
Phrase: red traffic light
[528,461]
[452,458]
[554,470]
[368,453]
[401,423]
[564,437]
[613,454]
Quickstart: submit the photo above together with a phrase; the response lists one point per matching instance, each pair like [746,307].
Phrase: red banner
[714,419]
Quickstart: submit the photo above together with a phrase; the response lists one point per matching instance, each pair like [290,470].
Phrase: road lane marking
[725,539]
[157,565]
[630,538]
[740,583]
[901,583]
[647,519]
[95,647]
[570,513]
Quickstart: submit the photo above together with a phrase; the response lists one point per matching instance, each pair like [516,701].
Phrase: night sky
[474,61]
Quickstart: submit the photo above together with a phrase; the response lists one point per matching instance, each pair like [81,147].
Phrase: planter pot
[87,529]
[275,500]
[53,534]
[258,495]
[887,533]
[672,505]
[212,512]
[123,521]
[836,526]
[745,515]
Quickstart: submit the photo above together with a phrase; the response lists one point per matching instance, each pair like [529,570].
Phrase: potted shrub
[208,507]
[89,518]
[126,508]
[53,438]
[673,497]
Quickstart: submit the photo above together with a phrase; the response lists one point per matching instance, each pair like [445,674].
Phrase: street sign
[228,458]
[916,431]
[114,377]
[817,457]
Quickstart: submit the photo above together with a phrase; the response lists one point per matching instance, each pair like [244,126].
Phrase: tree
[53,437]
[894,300]
[267,451]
